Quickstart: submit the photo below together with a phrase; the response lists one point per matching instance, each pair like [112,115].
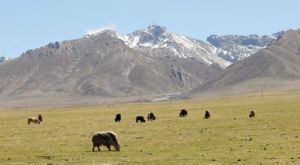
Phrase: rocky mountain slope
[152,61]
[274,67]
[217,49]
[157,41]
[99,65]
[236,47]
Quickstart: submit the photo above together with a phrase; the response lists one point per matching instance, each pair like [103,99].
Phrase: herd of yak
[109,138]
[183,113]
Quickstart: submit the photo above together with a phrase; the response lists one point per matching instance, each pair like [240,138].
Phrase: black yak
[107,139]
[206,115]
[140,118]
[118,117]
[183,113]
[252,114]
[151,116]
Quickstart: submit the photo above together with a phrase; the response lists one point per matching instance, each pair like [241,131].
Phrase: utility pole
[26,106]
[140,94]
[262,93]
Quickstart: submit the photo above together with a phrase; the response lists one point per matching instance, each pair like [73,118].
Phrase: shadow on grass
[104,151]
[46,157]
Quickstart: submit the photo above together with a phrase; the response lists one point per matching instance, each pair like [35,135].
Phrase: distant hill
[99,65]
[237,47]
[275,67]
[148,62]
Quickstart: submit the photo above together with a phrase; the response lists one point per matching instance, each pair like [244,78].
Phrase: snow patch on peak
[183,41]
[221,49]
[237,47]
[160,42]
[3,59]
[100,30]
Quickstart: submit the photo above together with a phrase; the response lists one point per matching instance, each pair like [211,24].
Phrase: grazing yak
[206,115]
[151,116]
[36,120]
[252,114]
[183,113]
[140,118]
[107,139]
[118,117]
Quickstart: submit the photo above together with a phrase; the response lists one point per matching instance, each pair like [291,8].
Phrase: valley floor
[228,137]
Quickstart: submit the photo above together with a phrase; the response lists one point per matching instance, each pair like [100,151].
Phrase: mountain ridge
[276,66]
[99,65]
[221,49]
[157,41]
[109,64]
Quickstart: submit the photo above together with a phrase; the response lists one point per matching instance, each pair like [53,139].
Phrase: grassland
[229,137]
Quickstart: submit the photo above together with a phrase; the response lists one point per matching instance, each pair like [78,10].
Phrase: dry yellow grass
[229,137]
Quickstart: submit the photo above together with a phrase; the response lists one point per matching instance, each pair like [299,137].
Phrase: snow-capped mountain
[273,68]
[236,47]
[157,41]
[99,65]
[110,64]
[217,49]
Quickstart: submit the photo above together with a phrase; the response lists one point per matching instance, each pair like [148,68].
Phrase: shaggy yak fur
[36,120]
[183,113]
[140,118]
[252,114]
[206,115]
[151,116]
[107,139]
[118,117]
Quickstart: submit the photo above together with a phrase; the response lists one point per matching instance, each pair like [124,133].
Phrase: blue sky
[28,24]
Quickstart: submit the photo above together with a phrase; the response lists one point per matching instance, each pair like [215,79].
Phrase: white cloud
[101,29]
